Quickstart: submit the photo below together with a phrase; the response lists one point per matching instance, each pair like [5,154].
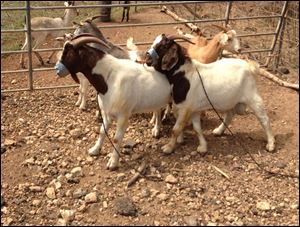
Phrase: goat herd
[132,81]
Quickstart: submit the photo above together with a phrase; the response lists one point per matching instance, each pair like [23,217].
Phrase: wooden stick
[193,27]
[220,171]
[140,171]
[277,80]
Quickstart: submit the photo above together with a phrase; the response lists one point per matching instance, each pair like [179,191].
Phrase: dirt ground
[46,171]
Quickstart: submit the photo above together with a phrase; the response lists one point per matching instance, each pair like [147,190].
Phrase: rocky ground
[47,177]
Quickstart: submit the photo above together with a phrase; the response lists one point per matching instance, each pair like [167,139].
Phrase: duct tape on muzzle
[153,55]
[61,69]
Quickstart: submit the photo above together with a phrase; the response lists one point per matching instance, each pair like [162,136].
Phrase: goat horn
[87,38]
[89,20]
[173,37]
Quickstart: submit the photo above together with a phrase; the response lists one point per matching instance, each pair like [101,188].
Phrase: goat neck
[69,15]
[84,58]
[213,50]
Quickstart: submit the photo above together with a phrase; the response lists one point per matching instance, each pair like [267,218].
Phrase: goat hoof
[112,163]
[155,133]
[167,149]
[217,132]
[93,151]
[82,108]
[202,149]
[270,147]
[180,139]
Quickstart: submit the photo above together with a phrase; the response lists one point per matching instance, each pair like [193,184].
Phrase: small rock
[77,171]
[163,196]
[191,221]
[156,223]
[121,176]
[30,160]
[50,193]
[91,197]
[280,164]
[61,222]
[284,70]
[67,215]
[36,202]
[130,143]
[263,205]
[252,166]
[9,142]
[76,133]
[79,192]
[171,179]
[6,221]
[295,206]
[35,188]
[145,193]
[125,206]
[105,205]
[14,81]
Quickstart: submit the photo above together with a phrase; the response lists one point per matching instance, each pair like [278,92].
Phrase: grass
[12,20]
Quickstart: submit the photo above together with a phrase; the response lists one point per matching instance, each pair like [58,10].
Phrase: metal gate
[226,19]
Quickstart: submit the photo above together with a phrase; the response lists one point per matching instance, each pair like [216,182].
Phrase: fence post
[227,13]
[28,23]
[279,25]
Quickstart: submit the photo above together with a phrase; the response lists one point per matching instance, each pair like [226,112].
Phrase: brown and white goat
[124,87]
[89,27]
[229,84]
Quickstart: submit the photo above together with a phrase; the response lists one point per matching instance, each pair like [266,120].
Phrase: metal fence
[226,19]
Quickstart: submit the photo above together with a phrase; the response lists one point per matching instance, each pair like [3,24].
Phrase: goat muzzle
[61,69]
[151,57]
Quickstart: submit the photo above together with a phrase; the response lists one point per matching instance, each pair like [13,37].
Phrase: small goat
[89,27]
[124,87]
[206,51]
[47,22]
[229,83]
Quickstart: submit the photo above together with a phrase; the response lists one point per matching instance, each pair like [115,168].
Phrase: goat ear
[224,39]
[170,58]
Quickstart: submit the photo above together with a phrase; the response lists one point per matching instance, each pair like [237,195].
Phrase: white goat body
[132,88]
[89,27]
[229,84]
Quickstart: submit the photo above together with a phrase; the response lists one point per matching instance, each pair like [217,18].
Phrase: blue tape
[61,69]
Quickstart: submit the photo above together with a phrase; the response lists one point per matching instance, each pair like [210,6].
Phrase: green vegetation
[12,20]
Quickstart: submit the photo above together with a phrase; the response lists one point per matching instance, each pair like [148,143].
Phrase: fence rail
[227,18]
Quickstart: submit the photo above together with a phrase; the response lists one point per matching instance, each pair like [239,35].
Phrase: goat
[229,84]
[209,51]
[47,22]
[124,87]
[89,27]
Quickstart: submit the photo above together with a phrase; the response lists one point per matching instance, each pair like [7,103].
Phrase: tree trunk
[105,11]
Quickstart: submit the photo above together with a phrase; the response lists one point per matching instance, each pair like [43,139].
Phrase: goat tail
[254,67]
[130,45]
